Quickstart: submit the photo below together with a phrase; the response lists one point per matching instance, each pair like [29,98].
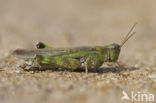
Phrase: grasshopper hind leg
[41,45]
[48,62]
[31,65]
[34,65]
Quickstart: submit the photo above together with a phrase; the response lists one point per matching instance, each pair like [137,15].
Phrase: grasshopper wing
[30,54]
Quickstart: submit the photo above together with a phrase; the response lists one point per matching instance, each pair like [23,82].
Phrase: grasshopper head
[114,49]
[113,52]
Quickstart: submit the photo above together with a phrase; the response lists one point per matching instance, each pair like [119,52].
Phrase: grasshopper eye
[115,47]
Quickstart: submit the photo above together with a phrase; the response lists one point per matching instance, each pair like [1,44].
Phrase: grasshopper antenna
[129,35]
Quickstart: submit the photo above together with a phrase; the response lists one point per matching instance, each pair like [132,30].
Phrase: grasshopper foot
[117,67]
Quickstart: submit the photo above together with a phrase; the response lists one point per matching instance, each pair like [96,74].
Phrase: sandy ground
[71,23]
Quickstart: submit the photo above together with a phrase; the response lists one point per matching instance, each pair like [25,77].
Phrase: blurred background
[67,23]
[70,23]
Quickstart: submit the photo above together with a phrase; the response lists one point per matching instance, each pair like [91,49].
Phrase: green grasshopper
[86,58]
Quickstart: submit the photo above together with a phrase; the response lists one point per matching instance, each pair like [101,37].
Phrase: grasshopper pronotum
[46,57]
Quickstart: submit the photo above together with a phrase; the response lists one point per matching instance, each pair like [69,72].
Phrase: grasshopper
[86,58]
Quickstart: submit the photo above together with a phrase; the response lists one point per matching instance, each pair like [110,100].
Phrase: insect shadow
[96,70]
[114,70]
[109,69]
